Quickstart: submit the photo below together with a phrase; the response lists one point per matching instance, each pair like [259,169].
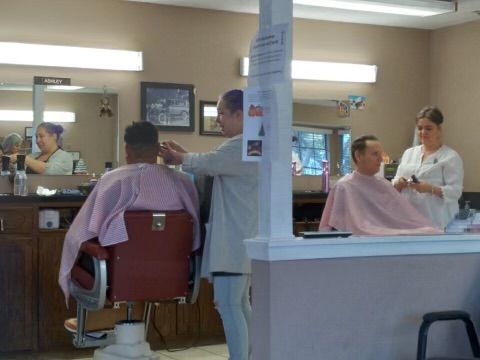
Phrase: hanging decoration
[105,108]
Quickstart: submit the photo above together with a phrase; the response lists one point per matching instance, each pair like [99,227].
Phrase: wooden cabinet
[187,321]
[17,279]
[52,310]
[307,210]
[16,220]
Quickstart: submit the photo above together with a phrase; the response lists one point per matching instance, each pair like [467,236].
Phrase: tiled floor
[206,352]
[209,352]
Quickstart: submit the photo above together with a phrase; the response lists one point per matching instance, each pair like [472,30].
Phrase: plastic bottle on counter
[93,180]
[108,166]
[325,177]
[20,182]
[5,165]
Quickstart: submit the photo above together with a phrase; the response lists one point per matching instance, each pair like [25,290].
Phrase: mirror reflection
[320,132]
[91,137]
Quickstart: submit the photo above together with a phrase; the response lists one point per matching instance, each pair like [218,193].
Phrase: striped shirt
[130,187]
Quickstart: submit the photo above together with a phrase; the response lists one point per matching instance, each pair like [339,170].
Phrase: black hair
[141,133]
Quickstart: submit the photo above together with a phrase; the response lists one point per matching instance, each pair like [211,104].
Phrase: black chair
[430,318]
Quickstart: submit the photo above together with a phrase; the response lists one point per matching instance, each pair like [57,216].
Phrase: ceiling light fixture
[63,87]
[420,8]
[327,71]
[27,115]
[70,56]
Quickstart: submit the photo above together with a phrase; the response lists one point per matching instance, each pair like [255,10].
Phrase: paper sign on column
[267,66]
[259,110]
[267,56]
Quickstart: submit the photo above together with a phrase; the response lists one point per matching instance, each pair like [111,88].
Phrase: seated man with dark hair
[142,184]
[366,204]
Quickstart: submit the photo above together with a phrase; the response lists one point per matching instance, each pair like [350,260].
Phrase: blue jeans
[231,294]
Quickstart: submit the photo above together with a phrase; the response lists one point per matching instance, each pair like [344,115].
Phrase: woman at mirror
[12,144]
[51,159]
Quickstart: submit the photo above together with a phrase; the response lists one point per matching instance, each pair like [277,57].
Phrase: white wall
[202,47]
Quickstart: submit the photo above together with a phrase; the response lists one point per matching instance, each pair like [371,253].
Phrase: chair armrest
[93,248]
[89,288]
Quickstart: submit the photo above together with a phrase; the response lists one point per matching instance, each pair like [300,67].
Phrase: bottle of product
[108,166]
[5,165]
[93,180]
[325,177]
[20,182]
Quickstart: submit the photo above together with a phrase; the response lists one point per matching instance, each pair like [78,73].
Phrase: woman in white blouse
[438,171]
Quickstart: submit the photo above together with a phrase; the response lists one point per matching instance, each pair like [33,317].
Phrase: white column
[38,110]
[275,198]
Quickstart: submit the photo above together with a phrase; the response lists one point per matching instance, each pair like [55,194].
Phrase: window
[311,147]
[345,140]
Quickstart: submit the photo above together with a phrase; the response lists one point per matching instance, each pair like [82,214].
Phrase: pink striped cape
[370,205]
[130,187]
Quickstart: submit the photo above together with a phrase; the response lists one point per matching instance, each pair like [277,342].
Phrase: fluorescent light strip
[69,56]
[326,71]
[27,115]
[420,8]
[63,87]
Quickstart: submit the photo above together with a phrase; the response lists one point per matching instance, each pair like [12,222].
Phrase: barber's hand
[401,183]
[169,155]
[175,146]
[421,187]
[13,158]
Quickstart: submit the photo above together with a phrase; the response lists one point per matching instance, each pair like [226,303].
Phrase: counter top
[33,198]
[301,194]
[361,246]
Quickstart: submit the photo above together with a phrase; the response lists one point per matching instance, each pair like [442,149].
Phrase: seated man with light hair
[365,204]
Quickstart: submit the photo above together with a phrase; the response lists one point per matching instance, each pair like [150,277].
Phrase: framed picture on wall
[208,118]
[168,106]
[75,155]
[28,133]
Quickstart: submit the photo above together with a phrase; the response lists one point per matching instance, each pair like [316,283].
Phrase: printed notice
[258,112]
[267,55]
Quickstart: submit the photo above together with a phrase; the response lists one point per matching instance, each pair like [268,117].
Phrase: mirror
[321,133]
[90,137]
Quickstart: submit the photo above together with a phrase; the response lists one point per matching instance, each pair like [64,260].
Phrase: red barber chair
[156,264]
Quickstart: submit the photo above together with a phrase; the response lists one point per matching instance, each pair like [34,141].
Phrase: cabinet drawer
[16,220]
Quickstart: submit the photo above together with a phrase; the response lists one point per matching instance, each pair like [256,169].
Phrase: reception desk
[361,298]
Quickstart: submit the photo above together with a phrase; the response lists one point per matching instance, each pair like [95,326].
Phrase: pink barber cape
[370,205]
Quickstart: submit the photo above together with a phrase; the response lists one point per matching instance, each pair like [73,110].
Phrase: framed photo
[208,118]
[168,106]
[28,133]
[75,155]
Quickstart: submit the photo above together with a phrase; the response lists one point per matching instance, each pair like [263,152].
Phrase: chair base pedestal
[130,344]
[117,352]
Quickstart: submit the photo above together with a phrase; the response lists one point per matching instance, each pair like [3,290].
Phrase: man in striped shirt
[142,184]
